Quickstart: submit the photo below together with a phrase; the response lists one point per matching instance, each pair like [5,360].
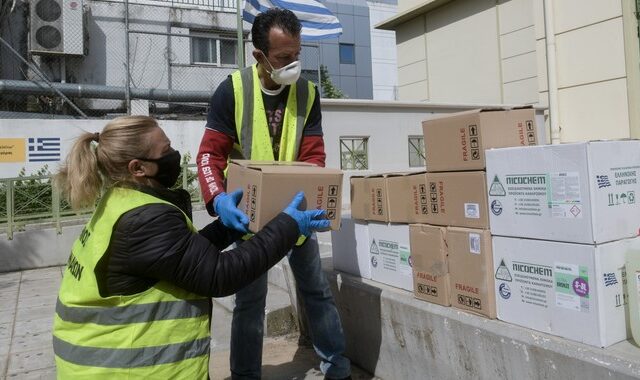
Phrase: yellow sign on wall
[12,150]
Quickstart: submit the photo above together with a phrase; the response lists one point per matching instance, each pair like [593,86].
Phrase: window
[213,50]
[353,153]
[347,53]
[416,152]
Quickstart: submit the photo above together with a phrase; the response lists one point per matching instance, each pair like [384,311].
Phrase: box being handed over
[269,186]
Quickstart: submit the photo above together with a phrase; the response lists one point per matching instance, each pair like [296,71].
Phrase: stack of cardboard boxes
[563,219]
[451,247]
[427,232]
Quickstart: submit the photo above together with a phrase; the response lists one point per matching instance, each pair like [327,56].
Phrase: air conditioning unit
[56,27]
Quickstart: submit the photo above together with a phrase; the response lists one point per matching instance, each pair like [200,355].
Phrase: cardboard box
[399,197]
[377,204]
[419,198]
[471,270]
[350,246]
[430,263]
[458,141]
[575,291]
[390,254]
[270,186]
[457,199]
[582,193]
[358,197]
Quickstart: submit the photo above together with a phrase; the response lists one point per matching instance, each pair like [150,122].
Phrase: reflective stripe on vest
[251,121]
[158,311]
[160,332]
[130,357]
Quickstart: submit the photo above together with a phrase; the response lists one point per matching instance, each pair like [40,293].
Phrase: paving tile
[35,312]
[43,283]
[5,330]
[9,289]
[4,347]
[33,326]
[30,361]
[30,342]
[40,273]
[3,365]
[7,316]
[38,300]
[8,276]
[41,374]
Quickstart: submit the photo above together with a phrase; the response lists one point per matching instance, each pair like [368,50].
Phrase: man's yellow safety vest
[160,333]
[251,120]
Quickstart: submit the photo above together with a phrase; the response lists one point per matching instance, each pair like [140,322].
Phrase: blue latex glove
[308,221]
[226,206]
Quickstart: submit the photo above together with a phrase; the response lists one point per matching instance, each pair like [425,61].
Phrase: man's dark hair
[281,18]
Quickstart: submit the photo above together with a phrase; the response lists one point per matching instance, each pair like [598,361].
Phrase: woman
[134,300]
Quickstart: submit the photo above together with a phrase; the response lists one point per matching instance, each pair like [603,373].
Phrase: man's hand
[308,221]
[226,206]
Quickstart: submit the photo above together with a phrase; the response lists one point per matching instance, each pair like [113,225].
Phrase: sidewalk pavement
[28,301]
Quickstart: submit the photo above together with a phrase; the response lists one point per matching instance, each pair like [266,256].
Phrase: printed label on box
[472,210]
[394,256]
[572,286]
[529,193]
[474,243]
[534,280]
[565,201]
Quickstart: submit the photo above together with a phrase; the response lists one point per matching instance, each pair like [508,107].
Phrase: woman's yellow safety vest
[251,119]
[160,333]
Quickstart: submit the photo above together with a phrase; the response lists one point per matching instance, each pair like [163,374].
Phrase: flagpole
[240,35]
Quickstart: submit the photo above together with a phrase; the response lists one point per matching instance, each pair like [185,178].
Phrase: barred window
[213,50]
[354,154]
[416,152]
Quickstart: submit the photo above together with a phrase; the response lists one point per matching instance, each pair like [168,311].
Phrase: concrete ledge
[395,336]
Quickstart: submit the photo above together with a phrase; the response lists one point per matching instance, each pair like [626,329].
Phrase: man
[266,112]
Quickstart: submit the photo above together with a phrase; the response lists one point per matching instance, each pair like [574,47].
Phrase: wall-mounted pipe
[552,78]
[21,87]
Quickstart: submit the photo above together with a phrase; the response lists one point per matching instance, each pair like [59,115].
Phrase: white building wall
[384,63]
[494,52]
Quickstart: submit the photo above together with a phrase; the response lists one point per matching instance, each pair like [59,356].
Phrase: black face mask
[168,168]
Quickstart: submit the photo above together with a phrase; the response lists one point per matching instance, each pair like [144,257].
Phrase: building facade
[495,51]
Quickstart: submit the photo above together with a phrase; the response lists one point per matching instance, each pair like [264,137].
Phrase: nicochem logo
[374,261]
[496,189]
[374,248]
[502,273]
[496,207]
[504,290]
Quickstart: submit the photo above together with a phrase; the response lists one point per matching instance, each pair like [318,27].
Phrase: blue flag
[318,22]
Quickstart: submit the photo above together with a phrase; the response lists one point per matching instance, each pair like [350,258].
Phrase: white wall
[384,63]
[494,52]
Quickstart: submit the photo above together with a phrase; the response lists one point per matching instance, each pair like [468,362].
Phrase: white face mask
[286,75]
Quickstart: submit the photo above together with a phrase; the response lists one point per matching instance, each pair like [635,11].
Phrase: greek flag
[318,22]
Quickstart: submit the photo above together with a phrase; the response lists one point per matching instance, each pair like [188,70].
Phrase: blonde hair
[87,170]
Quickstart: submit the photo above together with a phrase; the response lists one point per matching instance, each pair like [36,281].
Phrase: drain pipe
[552,79]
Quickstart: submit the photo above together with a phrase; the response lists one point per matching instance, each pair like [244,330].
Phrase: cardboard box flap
[258,163]
[474,111]
[293,167]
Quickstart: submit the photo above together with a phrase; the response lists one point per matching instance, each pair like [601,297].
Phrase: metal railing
[33,200]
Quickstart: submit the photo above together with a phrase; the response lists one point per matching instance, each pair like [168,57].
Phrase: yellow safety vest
[251,118]
[160,333]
